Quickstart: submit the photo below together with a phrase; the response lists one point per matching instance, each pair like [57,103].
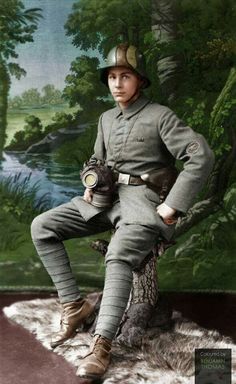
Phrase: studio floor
[23,360]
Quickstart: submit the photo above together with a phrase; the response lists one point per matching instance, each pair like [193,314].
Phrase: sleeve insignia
[193,147]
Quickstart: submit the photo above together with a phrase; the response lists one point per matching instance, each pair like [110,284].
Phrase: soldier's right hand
[88,195]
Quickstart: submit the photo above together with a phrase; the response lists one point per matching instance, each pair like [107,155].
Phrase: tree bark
[145,283]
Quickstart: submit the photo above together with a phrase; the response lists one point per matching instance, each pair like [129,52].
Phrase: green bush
[19,199]
[61,120]
[32,132]
[12,234]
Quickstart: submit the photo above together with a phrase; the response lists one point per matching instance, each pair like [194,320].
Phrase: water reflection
[60,182]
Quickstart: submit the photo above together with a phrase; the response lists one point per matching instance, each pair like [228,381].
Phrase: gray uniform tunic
[143,137]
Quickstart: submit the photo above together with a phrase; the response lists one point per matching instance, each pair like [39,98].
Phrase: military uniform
[134,141]
[144,137]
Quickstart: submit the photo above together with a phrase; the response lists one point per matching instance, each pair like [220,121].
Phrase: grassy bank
[22,267]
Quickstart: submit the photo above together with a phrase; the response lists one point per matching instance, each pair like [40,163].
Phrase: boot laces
[70,310]
[102,343]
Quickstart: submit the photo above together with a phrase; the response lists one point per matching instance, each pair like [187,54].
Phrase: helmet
[125,55]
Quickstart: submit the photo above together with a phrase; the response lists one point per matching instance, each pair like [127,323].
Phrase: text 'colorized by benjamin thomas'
[213,366]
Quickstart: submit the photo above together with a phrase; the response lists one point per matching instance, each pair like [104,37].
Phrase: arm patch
[193,147]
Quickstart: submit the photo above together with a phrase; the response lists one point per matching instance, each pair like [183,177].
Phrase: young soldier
[135,139]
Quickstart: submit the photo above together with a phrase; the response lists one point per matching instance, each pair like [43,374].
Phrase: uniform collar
[133,108]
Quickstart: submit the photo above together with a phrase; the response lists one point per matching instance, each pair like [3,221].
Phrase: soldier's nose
[117,83]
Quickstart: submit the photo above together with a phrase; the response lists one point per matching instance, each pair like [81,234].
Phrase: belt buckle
[123,178]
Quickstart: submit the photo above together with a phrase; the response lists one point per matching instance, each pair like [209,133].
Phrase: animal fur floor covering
[167,357]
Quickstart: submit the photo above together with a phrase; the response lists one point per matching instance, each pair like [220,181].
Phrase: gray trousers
[128,247]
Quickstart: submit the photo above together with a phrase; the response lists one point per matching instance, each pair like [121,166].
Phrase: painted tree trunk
[4,89]
[164,30]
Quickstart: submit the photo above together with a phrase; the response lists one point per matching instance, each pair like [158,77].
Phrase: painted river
[59,182]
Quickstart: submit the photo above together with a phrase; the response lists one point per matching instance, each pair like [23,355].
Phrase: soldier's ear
[142,82]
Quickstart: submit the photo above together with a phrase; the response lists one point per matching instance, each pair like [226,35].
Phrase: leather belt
[123,178]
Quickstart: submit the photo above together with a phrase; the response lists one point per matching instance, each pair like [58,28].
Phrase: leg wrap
[127,249]
[55,260]
[118,283]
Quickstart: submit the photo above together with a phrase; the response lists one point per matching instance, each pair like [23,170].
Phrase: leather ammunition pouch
[161,180]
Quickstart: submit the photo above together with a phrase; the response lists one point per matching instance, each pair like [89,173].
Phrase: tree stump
[146,307]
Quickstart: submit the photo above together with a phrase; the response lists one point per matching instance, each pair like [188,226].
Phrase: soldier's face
[124,85]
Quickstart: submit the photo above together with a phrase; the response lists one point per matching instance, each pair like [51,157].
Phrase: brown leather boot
[95,363]
[73,315]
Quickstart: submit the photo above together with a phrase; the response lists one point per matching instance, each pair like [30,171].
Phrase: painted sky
[46,60]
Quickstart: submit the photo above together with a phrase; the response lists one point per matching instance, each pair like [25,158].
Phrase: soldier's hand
[167,214]
[88,195]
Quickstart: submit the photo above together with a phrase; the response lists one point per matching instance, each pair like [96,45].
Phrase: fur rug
[167,357]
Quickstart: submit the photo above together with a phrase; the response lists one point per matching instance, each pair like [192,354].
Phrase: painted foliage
[50,101]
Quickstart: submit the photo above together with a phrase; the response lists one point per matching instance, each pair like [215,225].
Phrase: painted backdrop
[51,98]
